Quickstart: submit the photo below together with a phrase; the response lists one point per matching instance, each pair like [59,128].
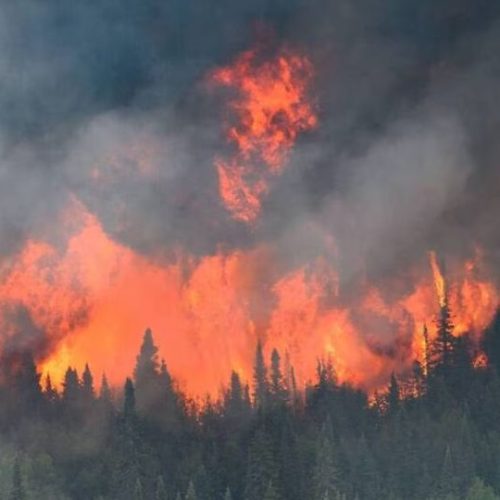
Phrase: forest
[432,434]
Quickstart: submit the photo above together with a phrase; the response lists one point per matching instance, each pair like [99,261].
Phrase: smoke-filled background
[120,122]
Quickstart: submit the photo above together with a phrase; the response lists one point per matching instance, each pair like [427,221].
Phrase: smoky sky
[404,158]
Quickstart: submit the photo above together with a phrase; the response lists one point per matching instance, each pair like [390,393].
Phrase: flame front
[91,298]
[94,298]
[270,110]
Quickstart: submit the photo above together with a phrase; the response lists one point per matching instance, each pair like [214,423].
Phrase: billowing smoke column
[324,190]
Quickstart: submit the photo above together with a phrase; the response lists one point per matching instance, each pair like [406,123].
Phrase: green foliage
[17,491]
[191,492]
[261,383]
[441,441]
[138,491]
[261,467]
[129,398]
[325,472]
[161,491]
[479,491]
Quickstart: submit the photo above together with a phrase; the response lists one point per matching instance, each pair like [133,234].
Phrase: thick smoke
[107,102]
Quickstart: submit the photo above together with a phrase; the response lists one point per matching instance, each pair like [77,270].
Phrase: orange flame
[439,281]
[271,109]
[94,297]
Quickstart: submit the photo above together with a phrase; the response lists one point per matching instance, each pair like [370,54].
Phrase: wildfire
[90,298]
[270,110]
[439,281]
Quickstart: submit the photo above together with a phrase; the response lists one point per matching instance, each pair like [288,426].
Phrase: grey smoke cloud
[105,100]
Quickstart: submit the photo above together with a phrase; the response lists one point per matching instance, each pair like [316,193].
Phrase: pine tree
[447,479]
[87,384]
[444,344]
[167,404]
[17,491]
[479,491]
[261,384]
[367,475]
[26,385]
[49,391]
[295,395]
[271,492]
[191,492]
[129,398]
[138,492]
[289,462]
[71,387]
[146,375]
[325,475]
[155,395]
[161,491]
[277,389]
[105,392]
[227,494]
[261,467]
[236,406]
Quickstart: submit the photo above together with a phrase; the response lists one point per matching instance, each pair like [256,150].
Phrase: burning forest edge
[249,250]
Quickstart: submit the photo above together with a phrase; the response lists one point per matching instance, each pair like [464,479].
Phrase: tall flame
[94,297]
[439,280]
[270,109]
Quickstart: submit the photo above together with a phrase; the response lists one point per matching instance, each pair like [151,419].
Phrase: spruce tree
[87,384]
[146,375]
[447,479]
[161,491]
[227,494]
[271,492]
[444,344]
[138,491]
[261,384]
[129,398]
[71,387]
[191,492]
[261,467]
[325,474]
[49,391]
[17,490]
[479,491]
[277,386]
[155,395]
[105,392]
[27,390]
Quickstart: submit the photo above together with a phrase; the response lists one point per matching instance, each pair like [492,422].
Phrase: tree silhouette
[17,491]
[129,398]
[261,384]
[278,390]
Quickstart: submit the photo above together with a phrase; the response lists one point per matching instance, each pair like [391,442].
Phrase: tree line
[434,434]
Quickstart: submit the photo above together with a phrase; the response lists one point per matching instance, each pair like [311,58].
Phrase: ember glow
[270,110]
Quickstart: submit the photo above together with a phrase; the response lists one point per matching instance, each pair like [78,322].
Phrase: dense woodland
[434,434]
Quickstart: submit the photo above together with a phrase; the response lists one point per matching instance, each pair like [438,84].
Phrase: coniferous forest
[264,183]
[434,434]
